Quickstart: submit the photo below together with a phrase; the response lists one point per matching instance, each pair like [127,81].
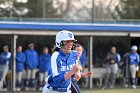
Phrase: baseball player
[20,60]
[113,58]
[74,85]
[44,63]
[63,65]
[81,54]
[31,65]
[4,66]
[131,64]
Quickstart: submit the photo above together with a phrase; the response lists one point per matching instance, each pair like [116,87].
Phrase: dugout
[96,38]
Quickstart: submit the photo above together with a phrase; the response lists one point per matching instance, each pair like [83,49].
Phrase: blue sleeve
[26,56]
[118,58]
[18,59]
[49,62]
[59,78]
[37,58]
[40,59]
[7,58]
[138,60]
[1,60]
[83,59]
[22,59]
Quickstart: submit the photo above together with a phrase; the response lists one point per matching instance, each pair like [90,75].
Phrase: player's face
[32,47]
[134,51]
[79,51]
[5,49]
[19,49]
[45,51]
[113,50]
[67,45]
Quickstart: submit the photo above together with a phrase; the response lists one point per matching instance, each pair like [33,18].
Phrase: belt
[59,89]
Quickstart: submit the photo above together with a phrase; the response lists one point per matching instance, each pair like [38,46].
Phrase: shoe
[126,85]
[26,89]
[111,87]
[33,89]
[40,89]
[4,89]
[18,89]
[104,87]
[134,86]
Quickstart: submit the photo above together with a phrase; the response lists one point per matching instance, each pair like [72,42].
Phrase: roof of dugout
[77,28]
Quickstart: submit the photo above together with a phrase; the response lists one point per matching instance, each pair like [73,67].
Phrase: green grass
[111,90]
[121,90]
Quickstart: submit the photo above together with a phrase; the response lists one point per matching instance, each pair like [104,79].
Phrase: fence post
[13,51]
[90,59]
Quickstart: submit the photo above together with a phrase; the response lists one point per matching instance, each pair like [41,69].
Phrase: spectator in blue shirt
[20,60]
[81,60]
[4,65]
[81,53]
[31,66]
[44,63]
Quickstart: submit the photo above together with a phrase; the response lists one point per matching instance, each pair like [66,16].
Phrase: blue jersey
[134,59]
[5,58]
[60,64]
[44,62]
[31,59]
[20,60]
[117,58]
[83,59]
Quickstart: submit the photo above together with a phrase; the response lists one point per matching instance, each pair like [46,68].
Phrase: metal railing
[64,20]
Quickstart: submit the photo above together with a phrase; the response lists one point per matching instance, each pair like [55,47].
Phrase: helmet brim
[70,40]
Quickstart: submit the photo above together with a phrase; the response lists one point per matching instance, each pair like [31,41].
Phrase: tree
[32,8]
[12,8]
[127,9]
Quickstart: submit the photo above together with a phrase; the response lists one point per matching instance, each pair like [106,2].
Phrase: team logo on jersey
[67,68]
